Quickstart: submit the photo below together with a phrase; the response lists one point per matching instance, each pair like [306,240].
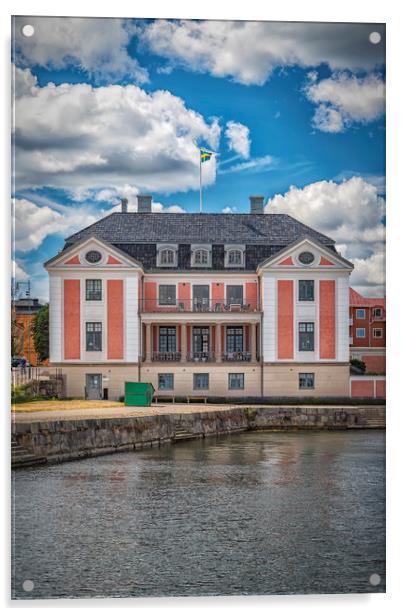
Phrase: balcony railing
[176,356]
[199,305]
[237,356]
[166,356]
[201,356]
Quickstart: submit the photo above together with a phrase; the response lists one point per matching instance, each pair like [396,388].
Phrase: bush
[20,393]
[357,363]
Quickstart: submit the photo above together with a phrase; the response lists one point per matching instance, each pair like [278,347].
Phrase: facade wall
[70,311]
[375,363]
[218,378]
[282,380]
[367,387]
[113,378]
[282,310]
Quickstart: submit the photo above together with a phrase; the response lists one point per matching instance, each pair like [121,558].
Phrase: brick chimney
[257,205]
[124,204]
[144,203]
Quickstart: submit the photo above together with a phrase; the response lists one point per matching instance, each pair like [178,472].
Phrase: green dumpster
[138,394]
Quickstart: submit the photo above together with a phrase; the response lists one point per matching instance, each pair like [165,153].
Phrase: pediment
[306,253]
[92,253]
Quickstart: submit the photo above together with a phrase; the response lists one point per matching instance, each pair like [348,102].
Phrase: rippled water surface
[254,513]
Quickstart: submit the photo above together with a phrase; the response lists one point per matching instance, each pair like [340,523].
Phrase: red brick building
[367,330]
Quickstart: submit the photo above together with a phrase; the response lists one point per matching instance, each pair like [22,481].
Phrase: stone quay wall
[58,441]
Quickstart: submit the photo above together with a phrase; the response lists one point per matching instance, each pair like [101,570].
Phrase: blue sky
[109,108]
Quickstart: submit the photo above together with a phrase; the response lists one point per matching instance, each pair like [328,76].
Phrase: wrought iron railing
[237,356]
[202,356]
[166,356]
[199,305]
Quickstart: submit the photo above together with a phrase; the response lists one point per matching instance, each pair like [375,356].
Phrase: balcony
[201,357]
[199,305]
[166,356]
[237,356]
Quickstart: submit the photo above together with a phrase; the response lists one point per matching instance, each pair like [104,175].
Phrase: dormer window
[234,256]
[166,255]
[201,255]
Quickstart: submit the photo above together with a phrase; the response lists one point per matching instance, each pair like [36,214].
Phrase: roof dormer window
[201,255]
[234,256]
[166,255]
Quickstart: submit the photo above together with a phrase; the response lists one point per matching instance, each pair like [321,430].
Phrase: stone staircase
[181,435]
[22,457]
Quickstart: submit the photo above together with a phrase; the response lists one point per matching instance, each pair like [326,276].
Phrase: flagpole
[200,183]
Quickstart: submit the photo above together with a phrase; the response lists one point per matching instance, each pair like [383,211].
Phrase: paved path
[144,411]
[119,411]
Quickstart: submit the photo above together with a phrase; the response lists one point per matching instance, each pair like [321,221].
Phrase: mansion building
[213,305]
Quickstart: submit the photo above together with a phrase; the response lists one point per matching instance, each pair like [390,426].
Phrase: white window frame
[197,374]
[238,247]
[307,374]
[377,315]
[164,374]
[360,329]
[363,310]
[160,249]
[196,248]
[236,374]
[377,329]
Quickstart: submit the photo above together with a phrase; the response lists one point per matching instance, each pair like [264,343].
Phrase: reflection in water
[253,513]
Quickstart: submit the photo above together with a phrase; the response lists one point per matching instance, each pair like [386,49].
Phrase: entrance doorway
[93,387]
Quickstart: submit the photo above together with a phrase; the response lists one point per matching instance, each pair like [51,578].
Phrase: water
[253,513]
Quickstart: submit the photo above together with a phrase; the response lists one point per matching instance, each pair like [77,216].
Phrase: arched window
[167,256]
[201,257]
[235,257]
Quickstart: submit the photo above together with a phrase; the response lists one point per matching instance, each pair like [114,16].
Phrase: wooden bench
[164,398]
[197,398]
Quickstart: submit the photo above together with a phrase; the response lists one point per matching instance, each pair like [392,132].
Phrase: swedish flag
[205,155]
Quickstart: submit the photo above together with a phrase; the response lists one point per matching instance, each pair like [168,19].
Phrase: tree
[40,333]
[17,338]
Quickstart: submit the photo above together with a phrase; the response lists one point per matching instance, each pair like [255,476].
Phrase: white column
[253,341]
[218,339]
[148,355]
[183,342]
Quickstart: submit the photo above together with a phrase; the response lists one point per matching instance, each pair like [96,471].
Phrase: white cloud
[229,209]
[255,165]
[84,139]
[24,82]
[344,99]
[17,272]
[328,120]
[96,46]
[248,51]
[351,213]
[370,273]
[238,136]
[33,223]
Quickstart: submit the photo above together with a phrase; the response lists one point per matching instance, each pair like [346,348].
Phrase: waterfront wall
[59,441]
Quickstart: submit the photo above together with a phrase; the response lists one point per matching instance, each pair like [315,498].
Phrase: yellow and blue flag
[205,155]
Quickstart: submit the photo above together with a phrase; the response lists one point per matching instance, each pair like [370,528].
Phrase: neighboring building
[200,304]
[24,311]
[367,330]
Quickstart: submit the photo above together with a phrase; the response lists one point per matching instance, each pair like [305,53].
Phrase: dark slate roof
[137,235]
[124,228]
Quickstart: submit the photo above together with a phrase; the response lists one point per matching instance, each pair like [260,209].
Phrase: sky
[110,108]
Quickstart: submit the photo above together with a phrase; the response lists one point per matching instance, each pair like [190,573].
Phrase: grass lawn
[62,405]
